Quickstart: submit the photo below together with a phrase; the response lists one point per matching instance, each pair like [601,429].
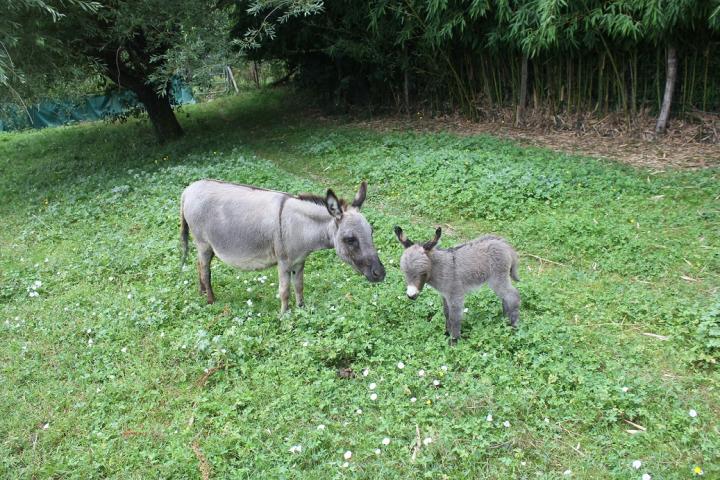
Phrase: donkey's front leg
[446,312]
[284,286]
[455,307]
[298,284]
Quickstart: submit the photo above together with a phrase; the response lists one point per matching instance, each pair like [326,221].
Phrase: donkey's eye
[350,240]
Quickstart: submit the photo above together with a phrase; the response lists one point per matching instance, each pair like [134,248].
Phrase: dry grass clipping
[205,469]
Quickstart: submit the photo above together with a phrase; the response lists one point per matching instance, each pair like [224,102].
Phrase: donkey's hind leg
[205,256]
[510,298]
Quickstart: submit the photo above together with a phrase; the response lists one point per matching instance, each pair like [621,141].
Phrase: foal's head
[415,263]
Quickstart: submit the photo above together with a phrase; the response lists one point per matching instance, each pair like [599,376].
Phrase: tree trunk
[520,115]
[670,77]
[159,110]
[160,113]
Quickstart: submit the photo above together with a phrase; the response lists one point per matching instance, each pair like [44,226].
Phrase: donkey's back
[239,223]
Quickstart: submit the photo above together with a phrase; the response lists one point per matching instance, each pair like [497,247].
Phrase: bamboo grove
[584,57]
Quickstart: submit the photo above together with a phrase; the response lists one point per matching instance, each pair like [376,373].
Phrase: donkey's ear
[429,245]
[333,204]
[360,197]
[402,238]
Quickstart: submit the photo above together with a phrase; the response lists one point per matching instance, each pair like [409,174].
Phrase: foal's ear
[402,238]
[360,196]
[333,204]
[429,245]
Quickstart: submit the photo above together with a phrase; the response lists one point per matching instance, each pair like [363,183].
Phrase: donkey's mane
[318,200]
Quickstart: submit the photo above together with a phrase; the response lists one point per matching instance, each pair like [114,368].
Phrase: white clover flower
[427,441]
[646,476]
[547,420]
[372,386]
[489,418]
[373,396]
[366,372]
[401,365]
[185,282]
[37,284]
[123,349]
[386,441]
[345,465]
[506,424]
[90,342]
[359,411]
[567,472]
[222,350]
[636,464]
[347,455]
[306,343]
[377,451]
[413,400]
[421,373]
[465,310]
[444,368]
[625,389]
[249,289]
[436,383]
[129,296]
[321,427]
[110,279]
[249,302]
[692,413]
[33,294]
[296,449]
[162,334]
[89,331]
[46,426]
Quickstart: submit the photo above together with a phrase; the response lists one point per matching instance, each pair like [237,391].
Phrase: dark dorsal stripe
[305,197]
[318,200]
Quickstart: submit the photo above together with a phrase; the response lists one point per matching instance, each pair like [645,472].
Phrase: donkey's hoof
[453,342]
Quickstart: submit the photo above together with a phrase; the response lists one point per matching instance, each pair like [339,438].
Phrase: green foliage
[441,55]
[708,336]
[117,366]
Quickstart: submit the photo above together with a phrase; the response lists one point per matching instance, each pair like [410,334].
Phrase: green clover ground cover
[112,366]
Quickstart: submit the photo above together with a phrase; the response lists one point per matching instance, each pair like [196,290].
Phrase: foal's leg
[298,284]
[205,256]
[446,312]
[510,297]
[284,285]
[455,309]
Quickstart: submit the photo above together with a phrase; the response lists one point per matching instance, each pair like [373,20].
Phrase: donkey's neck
[442,272]
[311,228]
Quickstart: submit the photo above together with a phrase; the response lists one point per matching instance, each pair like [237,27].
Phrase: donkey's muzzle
[376,272]
[412,292]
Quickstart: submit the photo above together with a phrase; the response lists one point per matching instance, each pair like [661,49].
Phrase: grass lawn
[112,365]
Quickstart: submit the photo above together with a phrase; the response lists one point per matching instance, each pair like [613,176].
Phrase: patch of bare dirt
[691,143]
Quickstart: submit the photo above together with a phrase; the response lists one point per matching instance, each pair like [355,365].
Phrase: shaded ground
[680,148]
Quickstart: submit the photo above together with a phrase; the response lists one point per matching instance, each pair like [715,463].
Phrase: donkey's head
[353,237]
[415,262]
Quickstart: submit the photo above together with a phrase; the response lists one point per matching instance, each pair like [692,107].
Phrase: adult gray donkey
[252,228]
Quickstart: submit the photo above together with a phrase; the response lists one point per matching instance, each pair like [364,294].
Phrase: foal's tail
[514,267]
[183,234]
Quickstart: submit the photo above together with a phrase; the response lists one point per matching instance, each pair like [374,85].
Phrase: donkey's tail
[514,267]
[183,234]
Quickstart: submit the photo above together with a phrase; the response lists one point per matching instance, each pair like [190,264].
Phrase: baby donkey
[458,270]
